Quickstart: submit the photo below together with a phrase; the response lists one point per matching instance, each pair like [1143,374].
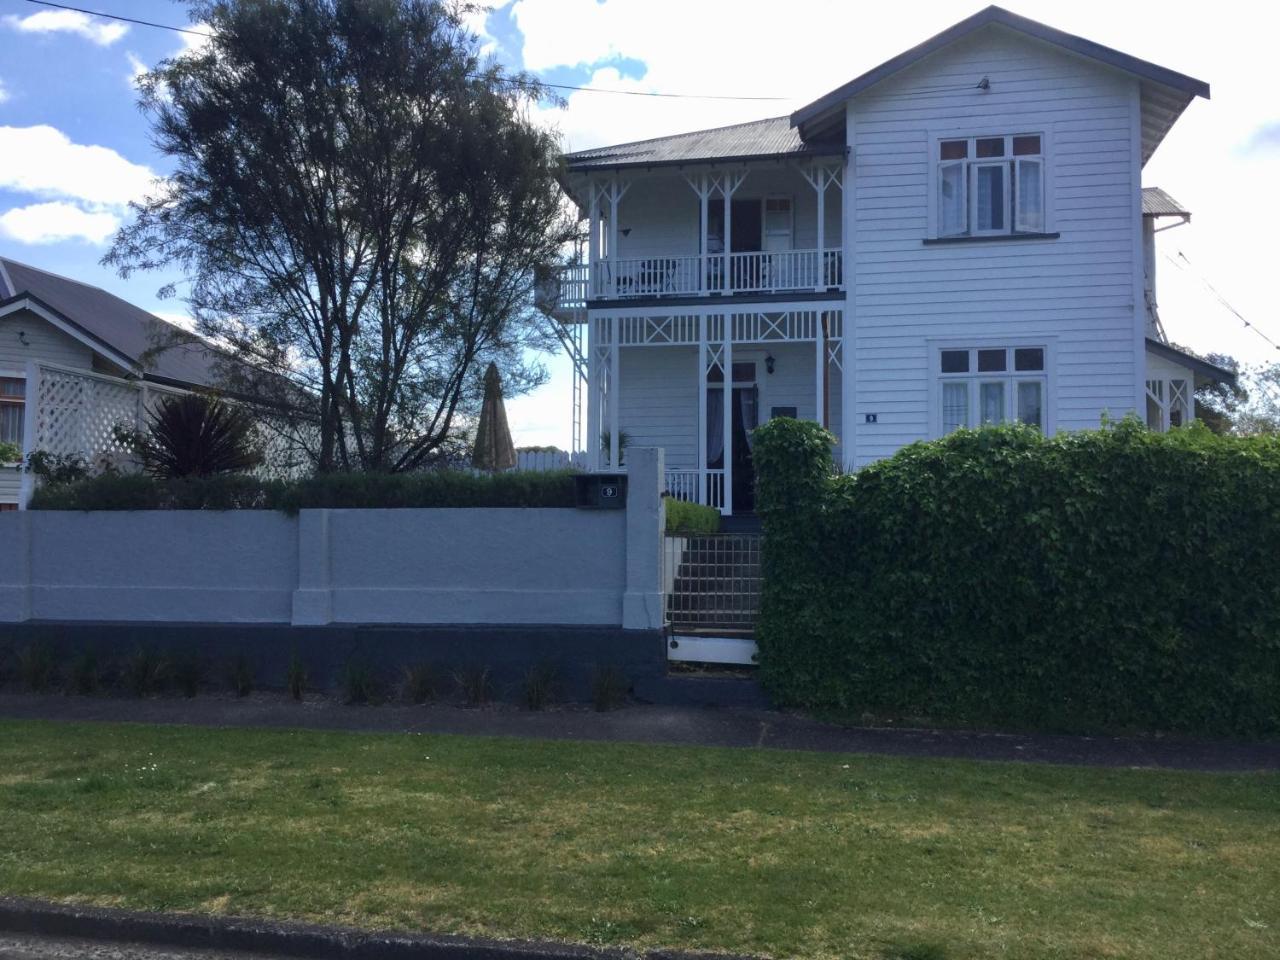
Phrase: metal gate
[712,584]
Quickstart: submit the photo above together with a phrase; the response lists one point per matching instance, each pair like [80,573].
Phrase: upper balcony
[744,230]
[756,271]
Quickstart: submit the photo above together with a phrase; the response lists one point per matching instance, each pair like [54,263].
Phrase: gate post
[642,604]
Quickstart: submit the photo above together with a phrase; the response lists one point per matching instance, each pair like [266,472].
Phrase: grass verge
[795,855]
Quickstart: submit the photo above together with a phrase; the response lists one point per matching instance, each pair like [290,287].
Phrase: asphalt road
[38,948]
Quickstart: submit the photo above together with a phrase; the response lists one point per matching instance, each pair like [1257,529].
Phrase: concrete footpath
[688,726]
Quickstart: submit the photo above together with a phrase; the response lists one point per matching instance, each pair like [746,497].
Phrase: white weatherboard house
[77,361]
[959,236]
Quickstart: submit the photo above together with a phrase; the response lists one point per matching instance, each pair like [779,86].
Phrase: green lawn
[759,852]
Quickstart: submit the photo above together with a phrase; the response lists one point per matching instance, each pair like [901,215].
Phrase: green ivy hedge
[332,490]
[1115,579]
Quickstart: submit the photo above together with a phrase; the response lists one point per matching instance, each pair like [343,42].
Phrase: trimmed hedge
[691,518]
[332,490]
[1116,579]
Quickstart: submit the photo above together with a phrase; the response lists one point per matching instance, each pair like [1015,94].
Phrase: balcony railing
[775,271]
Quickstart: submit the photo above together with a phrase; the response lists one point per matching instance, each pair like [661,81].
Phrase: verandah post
[727,365]
[702,408]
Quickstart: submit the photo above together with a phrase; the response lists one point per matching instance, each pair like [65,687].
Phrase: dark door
[746,417]
[745,237]
[747,228]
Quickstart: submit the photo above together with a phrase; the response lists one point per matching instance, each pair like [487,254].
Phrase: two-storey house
[951,239]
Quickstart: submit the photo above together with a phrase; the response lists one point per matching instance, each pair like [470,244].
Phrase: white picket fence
[542,461]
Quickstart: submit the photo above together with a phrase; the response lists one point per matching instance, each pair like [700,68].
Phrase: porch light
[768,363]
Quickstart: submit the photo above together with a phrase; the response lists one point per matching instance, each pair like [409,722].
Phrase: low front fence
[408,566]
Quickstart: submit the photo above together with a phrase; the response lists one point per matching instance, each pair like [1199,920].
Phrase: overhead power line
[1190,268]
[515,81]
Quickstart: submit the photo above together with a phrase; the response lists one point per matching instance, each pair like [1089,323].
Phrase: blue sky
[74,148]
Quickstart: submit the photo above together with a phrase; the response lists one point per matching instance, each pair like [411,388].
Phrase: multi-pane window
[13,391]
[989,186]
[984,385]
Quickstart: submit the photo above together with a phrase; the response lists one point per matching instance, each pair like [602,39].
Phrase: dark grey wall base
[282,939]
[508,651]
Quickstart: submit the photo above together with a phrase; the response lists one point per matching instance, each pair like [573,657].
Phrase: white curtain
[955,405]
[1030,196]
[952,201]
[747,408]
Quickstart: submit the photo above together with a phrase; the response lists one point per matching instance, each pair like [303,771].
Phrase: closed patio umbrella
[494,450]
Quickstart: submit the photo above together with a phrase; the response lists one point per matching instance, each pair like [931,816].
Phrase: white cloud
[56,222]
[196,40]
[43,161]
[4,92]
[96,30]
[136,69]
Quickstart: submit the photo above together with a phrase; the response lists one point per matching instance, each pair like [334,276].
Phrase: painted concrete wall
[443,566]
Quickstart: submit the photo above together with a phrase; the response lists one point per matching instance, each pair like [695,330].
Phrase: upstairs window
[13,391]
[989,186]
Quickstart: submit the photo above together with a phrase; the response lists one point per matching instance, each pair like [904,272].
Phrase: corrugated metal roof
[118,324]
[759,138]
[1157,203]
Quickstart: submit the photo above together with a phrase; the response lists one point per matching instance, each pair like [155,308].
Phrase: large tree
[360,201]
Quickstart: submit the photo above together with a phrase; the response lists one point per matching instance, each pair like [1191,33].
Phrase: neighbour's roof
[1157,203]
[774,137]
[116,328]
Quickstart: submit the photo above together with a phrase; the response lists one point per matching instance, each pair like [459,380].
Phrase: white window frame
[18,375]
[1009,377]
[992,127]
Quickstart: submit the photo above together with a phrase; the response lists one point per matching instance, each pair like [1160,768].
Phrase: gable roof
[115,328]
[1165,93]
[758,139]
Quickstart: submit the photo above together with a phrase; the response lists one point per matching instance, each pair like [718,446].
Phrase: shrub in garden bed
[684,518]
[1111,579]
[114,491]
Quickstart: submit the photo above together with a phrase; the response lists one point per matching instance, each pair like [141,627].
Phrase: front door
[744,417]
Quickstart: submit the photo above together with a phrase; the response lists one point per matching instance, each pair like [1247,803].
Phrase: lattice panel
[287,448]
[78,414]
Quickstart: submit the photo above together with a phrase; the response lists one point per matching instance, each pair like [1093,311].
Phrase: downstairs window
[986,385]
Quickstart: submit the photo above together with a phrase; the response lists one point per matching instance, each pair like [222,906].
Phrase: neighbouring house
[77,361]
[959,236]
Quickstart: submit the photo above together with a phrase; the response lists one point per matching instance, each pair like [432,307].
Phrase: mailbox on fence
[601,491]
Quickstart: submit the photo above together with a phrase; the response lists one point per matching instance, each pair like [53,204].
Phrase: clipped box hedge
[1107,580]
[331,490]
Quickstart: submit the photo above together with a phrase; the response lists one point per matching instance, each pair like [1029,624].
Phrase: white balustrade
[771,271]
